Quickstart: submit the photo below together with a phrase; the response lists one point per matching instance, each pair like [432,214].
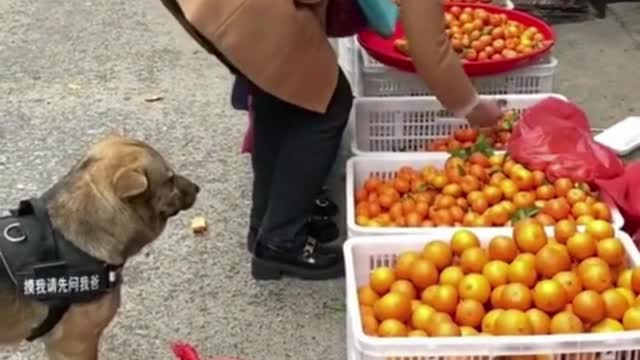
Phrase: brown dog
[111,204]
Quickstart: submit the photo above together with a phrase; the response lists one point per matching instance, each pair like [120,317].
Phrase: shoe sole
[264,270]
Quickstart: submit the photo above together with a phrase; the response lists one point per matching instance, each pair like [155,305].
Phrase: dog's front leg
[77,335]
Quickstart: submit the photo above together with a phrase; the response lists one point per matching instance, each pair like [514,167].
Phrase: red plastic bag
[625,193]
[554,136]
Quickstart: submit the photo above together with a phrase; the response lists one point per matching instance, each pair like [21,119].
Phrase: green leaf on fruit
[525,213]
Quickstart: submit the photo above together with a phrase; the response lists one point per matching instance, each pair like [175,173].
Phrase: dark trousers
[294,151]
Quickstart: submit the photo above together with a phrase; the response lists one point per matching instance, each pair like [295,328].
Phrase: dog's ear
[129,182]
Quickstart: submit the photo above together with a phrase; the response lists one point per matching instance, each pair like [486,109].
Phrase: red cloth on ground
[184,351]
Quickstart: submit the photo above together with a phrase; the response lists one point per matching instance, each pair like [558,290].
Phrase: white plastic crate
[375,79]
[388,125]
[363,254]
[360,168]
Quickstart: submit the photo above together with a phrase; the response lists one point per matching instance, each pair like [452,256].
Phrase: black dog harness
[46,267]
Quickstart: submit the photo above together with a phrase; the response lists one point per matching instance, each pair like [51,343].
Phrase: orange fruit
[558,209]
[580,209]
[393,306]
[496,296]
[521,271]
[473,260]
[445,329]
[615,303]
[476,287]
[417,333]
[631,318]
[516,296]
[503,248]
[584,219]
[493,194]
[414,304]
[607,325]
[566,322]
[564,229]
[497,272]
[370,325]
[528,258]
[380,279]
[529,235]
[439,253]
[489,321]
[552,259]
[571,283]
[367,296]
[591,261]
[539,320]
[601,211]
[451,275]
[392,328]
[420,318]
[404,263]
[469,312]
[462,240]
[624,279]
[589,306]
[513,322]
[628,295]
[545,192]
[468,331]
[445,299]
[423,273]
[438,318]
[596,277]
[582,246]
[549,296]
[635,280]
[404,287]
[599,229]
[611,250]
[428,294]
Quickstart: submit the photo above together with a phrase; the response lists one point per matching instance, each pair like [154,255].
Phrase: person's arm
[435,60]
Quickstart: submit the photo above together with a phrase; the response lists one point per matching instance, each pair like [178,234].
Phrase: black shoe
[323,230]
[324,206]
[307,263]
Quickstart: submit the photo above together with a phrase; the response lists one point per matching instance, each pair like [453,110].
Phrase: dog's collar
[48,268]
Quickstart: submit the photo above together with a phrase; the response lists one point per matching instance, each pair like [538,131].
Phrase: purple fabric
[247,143]
[344,18]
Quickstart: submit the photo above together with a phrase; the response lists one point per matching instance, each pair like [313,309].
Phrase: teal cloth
[381,15]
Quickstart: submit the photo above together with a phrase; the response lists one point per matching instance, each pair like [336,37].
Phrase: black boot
[323,206]
[306,263]
[324,230]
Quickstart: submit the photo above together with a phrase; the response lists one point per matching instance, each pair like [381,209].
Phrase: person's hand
[485,114]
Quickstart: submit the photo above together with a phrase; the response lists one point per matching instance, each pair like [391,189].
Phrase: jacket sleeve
[176,11]
[434,59]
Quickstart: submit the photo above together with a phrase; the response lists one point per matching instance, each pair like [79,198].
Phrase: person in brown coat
[301,102]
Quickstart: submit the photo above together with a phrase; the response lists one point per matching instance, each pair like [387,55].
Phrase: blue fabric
[381,15]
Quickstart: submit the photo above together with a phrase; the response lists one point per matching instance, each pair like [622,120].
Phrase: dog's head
[122,187]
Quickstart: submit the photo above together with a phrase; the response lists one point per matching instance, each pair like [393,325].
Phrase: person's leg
[307,154]
[269,129]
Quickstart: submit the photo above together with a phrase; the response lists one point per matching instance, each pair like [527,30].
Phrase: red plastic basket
[383,50]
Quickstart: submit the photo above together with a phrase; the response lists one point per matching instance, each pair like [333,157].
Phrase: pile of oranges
[477,35]
[474,189]
[526,284]
[465,138]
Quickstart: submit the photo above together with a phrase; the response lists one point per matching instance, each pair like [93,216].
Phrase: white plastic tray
[362,254]
[388,125]
[623,137]
[360,168]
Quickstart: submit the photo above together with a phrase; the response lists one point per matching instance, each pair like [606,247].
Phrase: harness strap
[54,316]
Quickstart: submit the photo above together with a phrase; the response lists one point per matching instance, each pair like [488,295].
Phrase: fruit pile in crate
[473,188]
[494,291]
[389,125]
